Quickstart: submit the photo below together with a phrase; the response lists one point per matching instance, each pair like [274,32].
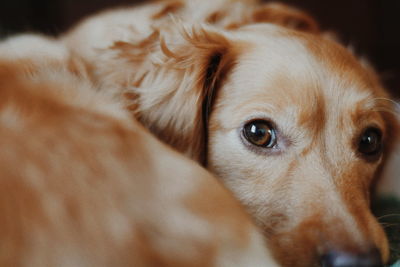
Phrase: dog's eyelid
[267,119]
[373,125]
[260,118]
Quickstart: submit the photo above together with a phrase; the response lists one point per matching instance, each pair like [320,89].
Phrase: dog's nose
[346,259]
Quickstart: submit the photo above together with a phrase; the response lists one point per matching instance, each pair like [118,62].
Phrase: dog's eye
[370,143]
[260,133]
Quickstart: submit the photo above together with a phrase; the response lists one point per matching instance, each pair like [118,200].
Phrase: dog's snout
[346,259]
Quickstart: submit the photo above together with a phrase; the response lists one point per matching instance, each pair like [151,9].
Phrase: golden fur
[82,184]
[310,197]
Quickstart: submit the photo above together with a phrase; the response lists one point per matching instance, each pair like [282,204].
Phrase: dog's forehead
[283,73]
[300,57]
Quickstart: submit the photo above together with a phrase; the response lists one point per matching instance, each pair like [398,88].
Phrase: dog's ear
[275,13]
[174,96]
[241,13]
[286,16]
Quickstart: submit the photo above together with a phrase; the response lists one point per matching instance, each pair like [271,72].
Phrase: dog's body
[198,87]
[81,184]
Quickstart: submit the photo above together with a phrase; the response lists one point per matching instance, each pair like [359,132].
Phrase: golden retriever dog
[82,184]
[292,123]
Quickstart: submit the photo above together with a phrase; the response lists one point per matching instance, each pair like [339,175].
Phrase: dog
[83,184]
[291,122]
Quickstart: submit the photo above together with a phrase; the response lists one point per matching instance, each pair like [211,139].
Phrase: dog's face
[292,124]
[297,133]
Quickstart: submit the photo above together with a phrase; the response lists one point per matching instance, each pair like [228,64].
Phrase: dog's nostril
[346,259]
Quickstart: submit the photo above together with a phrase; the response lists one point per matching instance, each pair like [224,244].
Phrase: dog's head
[298,131]
[293,124]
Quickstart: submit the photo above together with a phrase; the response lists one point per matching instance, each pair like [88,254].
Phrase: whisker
[389,225]
[397,114]
[388,215]
[395,104]
[389,105]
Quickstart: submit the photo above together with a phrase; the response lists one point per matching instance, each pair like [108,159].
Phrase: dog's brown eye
[260,133]
[370,143]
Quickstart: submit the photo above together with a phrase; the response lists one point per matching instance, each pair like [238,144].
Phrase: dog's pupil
[259,133]
[370,142]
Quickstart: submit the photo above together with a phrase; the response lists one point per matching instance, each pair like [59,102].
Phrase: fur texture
[82,184]
[311,193]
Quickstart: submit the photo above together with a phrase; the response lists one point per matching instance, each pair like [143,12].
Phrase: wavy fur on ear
[286,16]
[173,76]
[241,13]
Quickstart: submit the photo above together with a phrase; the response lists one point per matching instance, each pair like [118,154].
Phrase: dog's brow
[367,115]
[314,115]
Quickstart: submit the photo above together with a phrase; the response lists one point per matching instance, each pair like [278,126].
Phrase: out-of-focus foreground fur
[82,184]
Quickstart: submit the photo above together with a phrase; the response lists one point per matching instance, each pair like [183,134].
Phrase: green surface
[387,210]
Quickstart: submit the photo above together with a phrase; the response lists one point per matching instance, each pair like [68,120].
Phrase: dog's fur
[82,184]
[312,194]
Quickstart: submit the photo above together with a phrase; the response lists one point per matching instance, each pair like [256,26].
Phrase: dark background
[370,26]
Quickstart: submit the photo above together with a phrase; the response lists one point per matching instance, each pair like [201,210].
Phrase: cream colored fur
[84,184]
[310,195]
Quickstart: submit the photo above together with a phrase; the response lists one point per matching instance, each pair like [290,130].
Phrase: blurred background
[370,26]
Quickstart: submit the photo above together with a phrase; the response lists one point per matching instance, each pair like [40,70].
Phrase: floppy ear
[174,95]
[239,14]
[286,16]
